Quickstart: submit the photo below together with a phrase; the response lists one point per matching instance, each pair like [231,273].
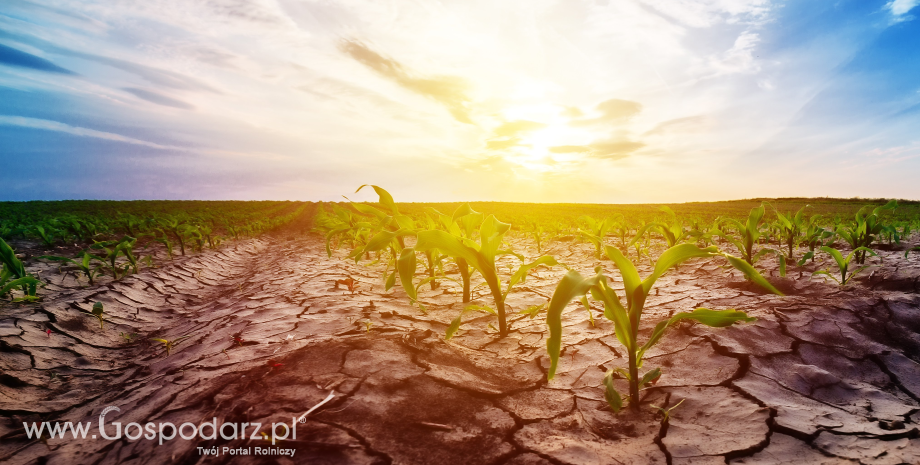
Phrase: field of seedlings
[766,331]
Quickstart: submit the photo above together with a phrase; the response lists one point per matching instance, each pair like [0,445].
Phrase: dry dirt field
[826,375]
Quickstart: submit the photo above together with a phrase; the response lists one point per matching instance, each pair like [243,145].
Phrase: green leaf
[673,257]
[838,257]
[751,273]
[385,198]
[571,286]
[521,274]
[628,271]
[533,310]
[449,245]
[454,326]
[610,393]
[461,211]
[480,308]
[97,309]
[805,258]
[391,281]
[714,318]
[587,305]
[650,377]
[24,282]
[406,266]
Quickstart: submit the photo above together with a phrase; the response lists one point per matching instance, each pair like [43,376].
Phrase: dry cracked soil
[826,375]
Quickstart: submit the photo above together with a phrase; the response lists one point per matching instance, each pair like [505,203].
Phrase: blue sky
[575,101]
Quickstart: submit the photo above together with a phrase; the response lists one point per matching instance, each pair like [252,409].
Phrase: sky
[599,101]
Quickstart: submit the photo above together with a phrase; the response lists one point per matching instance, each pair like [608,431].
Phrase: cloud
[570,149]
[13,57]
[901,7]
[614,150]
[49,125]
[683,125]
[450,91]
[739,58]
[513,128]
[502,144]
[158,99]
[611,111]
[608,150]
[153,75]
[706,13]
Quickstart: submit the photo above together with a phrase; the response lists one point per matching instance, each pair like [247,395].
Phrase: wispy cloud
[611,111]
[158,98]
[12,57]
[448,90]
[48,125]
[900,8]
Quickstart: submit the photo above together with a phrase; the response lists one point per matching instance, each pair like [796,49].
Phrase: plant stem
[633,382]
[465,276]
[500,309]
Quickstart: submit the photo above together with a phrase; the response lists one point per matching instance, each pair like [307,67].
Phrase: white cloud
[706,13]
[899,8]
[49,125]
[740,57]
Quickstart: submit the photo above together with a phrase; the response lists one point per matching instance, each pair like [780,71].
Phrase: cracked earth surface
[826,375]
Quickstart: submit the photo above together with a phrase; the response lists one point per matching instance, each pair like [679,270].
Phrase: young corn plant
[673,231]
[790,228]
[626,319]
[165,241]
[98,312]
[114,249]
[843,264]
[84,265]
[176,226]
[749,232]
[814,237]
[481,256]
[595,231]
[170,345]
[46,236]
[867,227]
[13,275]
[519,276]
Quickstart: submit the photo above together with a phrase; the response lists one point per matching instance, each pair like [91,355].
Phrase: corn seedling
[480,256]
[128,337]
[46,236]
[673,231]
[626,319]
[98,312]
[533,310]
[749,232]
[84,265]
[166,242]
[666,411]
[170,345]
[843,263]
[176,227]
[456,322]
[367,325]
[595,231]
[13,275]
[790,228]
[866,229]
